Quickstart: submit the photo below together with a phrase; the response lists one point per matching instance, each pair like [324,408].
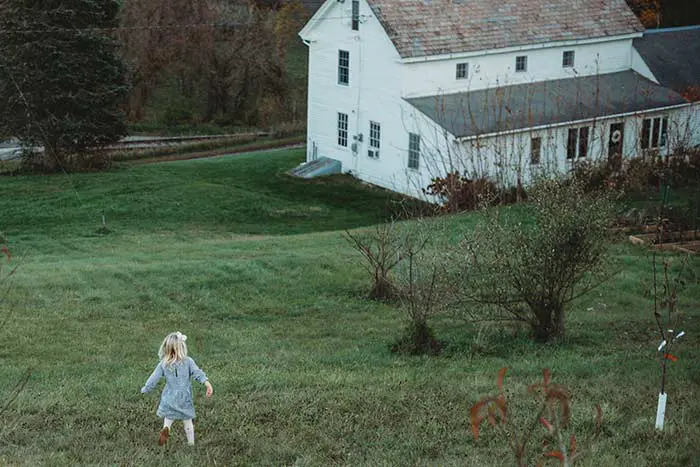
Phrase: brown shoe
[164,434]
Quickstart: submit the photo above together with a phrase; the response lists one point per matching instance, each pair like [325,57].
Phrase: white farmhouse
[402,91]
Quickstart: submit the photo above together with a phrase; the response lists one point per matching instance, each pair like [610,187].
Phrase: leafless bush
[423,289]
[459,193]
[381,248]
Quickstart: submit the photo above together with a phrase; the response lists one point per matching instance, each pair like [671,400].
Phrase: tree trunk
[382,289]
[550,323]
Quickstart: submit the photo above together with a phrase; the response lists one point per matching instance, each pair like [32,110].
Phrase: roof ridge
[672,29]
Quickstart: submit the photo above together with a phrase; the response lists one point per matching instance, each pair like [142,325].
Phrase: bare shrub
[642,174]
[592,176]
[407,264]
[380,248]
[423,290]
[460,193]
[530,268]
[684,167]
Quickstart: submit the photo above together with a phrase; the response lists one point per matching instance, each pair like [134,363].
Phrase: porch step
[317,168]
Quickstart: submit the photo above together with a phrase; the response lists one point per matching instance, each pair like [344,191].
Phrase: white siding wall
[379,81]
[325,96]
[374,94]
[506,158]
[498,69]
[687,126]
[694,124]
[640,66]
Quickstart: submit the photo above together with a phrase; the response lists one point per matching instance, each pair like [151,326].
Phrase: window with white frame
[535,150]
[462,70]
[343,67]
[413,151]
[577,143]
[342,129]
[654,132]
[355,15]
[567,59]
[521,63]
[374,136]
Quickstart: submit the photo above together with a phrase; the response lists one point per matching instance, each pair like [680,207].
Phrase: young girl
[176,400]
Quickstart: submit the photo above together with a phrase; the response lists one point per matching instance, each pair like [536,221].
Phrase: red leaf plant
[6,252]
[490,407]
[554,415]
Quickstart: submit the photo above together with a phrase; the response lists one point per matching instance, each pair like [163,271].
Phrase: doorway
[615,142]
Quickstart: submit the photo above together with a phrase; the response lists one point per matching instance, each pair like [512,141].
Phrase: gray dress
[176,400]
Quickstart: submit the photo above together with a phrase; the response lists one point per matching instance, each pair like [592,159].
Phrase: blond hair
[173,349]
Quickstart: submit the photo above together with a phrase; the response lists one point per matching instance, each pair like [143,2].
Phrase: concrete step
[319,167]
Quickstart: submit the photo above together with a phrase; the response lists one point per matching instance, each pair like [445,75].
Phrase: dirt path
[265,147]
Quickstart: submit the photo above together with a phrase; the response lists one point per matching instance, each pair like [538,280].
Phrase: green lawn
[253,267]
[248,195]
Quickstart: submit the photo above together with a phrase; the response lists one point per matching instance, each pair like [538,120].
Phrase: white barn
[402,91]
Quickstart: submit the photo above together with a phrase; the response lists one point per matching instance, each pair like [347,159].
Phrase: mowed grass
[253,267]
[245,194]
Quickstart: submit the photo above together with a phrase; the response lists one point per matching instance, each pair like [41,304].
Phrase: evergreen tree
[61,80]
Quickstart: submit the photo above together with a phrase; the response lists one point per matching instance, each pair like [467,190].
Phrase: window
[571,143]
[577,142]
[535,150]
[654,132]
[583,142]
[646,132]
[462,70]
[343,67]
[342,129]
[521,63]
[374,135]
[664,132]
[355,15]
[413,151]
[567,60]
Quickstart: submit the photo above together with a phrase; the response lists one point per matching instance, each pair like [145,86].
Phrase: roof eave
[572,122]
[541,45]
[305,32]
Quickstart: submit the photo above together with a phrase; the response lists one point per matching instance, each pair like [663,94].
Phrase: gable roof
[312,5]
[420,28]
[672,55]
[522,106]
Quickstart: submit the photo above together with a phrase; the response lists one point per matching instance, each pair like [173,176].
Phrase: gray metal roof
[530,105]
[673,56]
[421,28]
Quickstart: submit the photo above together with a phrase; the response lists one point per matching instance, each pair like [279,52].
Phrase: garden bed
[685,241]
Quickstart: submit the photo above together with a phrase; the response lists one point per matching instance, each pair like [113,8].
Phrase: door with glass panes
[615,142]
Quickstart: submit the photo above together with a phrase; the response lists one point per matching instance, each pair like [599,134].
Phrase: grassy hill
[246,194]
[253,267]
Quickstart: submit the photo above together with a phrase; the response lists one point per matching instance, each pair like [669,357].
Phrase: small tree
[423,289]
[532,267]
[381,248]
[61,82]
[557,440]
